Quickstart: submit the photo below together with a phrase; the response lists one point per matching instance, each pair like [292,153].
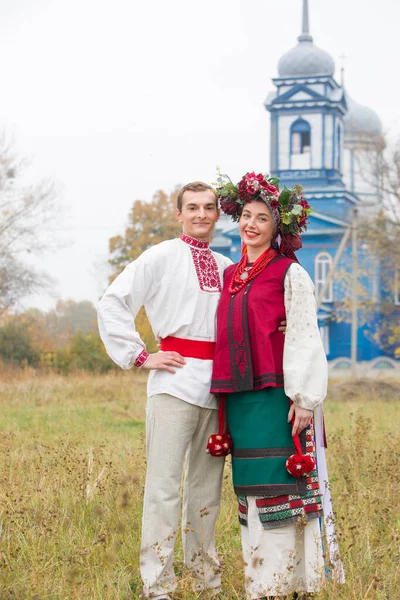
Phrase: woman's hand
[164,361]
[282,327]
[302,418]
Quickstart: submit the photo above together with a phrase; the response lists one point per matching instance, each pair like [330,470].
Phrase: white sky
[115,100]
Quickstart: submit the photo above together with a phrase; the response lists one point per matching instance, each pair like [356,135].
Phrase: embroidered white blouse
[179,284]
[305,369]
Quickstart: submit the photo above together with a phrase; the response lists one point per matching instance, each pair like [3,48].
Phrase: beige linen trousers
[176,438]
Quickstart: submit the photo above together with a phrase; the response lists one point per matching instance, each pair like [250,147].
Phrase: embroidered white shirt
[178,282]
[305,368]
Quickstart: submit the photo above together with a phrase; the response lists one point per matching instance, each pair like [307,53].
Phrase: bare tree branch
[26,214]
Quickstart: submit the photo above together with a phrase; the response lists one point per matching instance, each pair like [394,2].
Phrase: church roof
[306,59]
[361,120]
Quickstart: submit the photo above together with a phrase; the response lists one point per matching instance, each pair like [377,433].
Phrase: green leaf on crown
[285,196]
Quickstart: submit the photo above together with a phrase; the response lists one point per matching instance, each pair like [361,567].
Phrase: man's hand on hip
[164,361]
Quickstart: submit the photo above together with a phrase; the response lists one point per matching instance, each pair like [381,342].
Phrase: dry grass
[71,481]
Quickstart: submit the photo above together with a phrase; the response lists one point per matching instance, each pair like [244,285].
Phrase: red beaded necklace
[243,273]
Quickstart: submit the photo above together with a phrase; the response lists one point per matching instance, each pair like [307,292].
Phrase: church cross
[343,57]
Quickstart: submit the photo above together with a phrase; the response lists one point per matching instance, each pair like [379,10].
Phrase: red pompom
[300,465]
[219,445]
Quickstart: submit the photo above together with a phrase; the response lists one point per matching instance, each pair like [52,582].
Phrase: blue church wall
[338,207]
[340,342]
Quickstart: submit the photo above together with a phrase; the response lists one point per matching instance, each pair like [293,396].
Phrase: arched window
[323,264]
[300,137]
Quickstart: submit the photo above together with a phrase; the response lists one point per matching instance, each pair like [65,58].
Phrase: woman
[272,383]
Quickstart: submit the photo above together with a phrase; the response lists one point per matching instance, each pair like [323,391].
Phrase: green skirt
[262,442]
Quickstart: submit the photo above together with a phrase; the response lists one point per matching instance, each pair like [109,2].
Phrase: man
[179,284]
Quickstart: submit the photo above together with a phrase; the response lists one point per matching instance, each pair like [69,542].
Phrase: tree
[379,250]
[69,317]
[64,339]
[381,235]
[26,211]
[85,352]
[16,344]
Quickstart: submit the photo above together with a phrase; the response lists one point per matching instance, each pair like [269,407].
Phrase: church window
[323,264]
[300,137]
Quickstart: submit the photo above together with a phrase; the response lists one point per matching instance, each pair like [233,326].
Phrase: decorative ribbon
[220,444]
[299,464]
[320,442]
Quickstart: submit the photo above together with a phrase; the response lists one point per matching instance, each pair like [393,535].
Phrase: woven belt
[188,348]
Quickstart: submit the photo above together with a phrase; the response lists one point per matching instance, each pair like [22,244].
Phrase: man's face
[199,214]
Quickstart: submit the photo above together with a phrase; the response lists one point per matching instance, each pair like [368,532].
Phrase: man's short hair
[194,186]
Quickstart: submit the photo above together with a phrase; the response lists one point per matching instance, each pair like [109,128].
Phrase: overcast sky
[115,100]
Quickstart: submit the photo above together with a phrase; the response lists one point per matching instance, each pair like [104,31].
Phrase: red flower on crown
[304,203]
[229,205]
[303,221]
[294,241]
[251,184]
[271,189]
[243,194]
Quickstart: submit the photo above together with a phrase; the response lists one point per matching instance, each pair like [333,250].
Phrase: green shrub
[16,345]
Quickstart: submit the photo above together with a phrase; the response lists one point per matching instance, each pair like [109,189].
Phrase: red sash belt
[188,348]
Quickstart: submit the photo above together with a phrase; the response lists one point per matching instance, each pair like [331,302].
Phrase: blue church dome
[361,120]
[305,59]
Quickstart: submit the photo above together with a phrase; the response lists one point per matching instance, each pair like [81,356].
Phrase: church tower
[307,124]
[308,110]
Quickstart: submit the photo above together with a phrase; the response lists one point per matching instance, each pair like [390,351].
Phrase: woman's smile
[251,234]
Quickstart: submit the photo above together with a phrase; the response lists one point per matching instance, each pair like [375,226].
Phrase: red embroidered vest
[249,348]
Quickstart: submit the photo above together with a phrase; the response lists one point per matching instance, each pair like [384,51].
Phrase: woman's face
[256,225]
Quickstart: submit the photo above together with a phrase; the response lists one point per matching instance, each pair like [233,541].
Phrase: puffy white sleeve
[305,368]
[117,311]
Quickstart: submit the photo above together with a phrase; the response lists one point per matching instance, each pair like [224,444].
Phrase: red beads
[243,274]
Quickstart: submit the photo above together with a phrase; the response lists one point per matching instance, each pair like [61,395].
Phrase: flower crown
[289,208]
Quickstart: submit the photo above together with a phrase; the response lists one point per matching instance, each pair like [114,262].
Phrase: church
[319,138]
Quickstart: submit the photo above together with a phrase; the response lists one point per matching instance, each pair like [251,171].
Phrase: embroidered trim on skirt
[274,509]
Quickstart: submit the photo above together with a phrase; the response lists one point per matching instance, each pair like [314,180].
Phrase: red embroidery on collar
[206,270]
[188,239]
[204,263]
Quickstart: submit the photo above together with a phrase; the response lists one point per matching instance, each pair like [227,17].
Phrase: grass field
[71,480]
